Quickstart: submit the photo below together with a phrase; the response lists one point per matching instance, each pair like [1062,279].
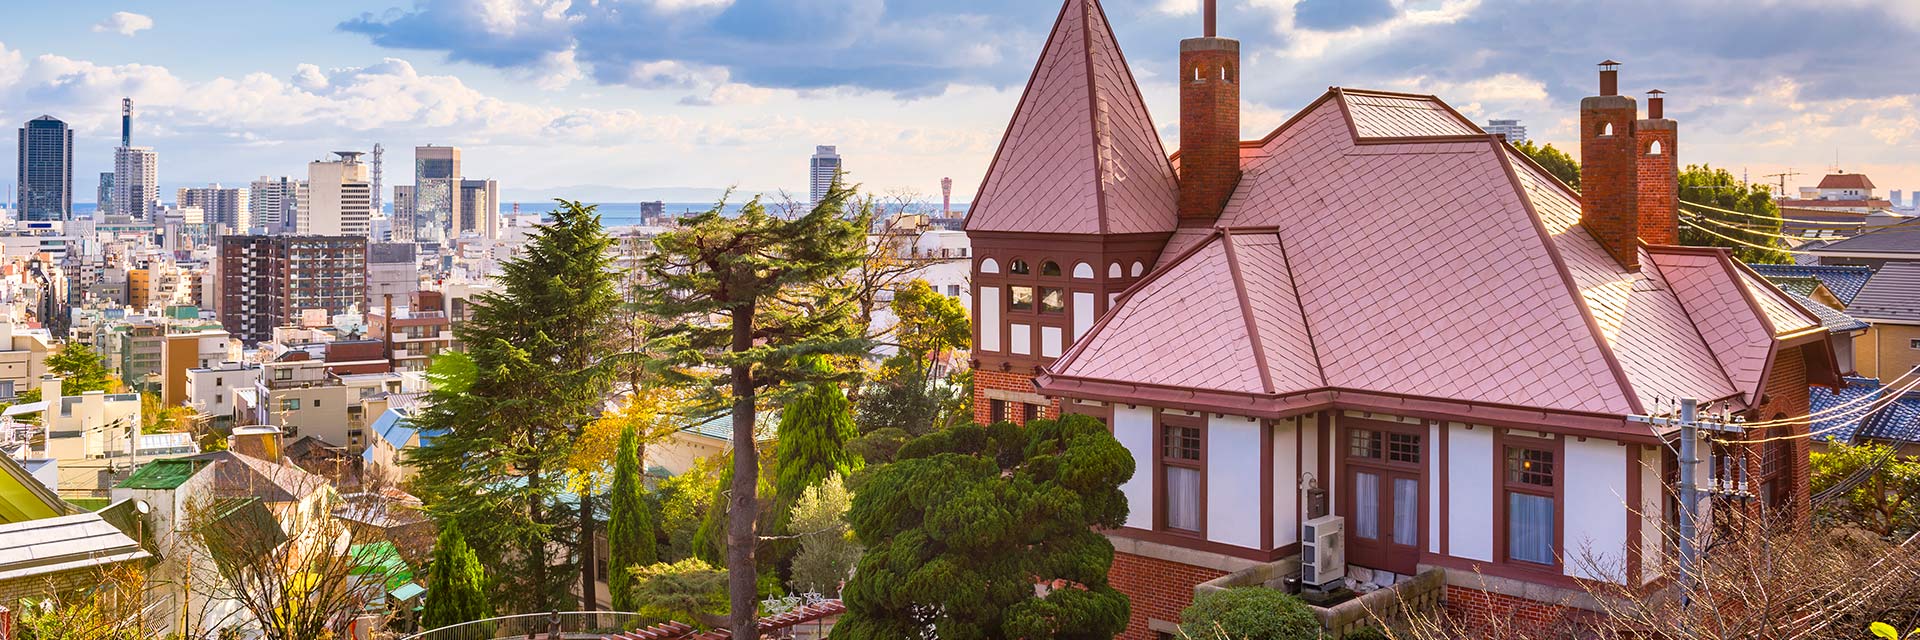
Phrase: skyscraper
[479,208]
[379,153]
[273,204]
[46,170]
[823,169]
[224,208]
[338,200]
[103,196]
[402,213]
[436,183]
[1512,130]
[267,281]
[136,181]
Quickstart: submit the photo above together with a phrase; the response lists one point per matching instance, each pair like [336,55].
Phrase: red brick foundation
[1497,616]
[1156,590]
[1006,381]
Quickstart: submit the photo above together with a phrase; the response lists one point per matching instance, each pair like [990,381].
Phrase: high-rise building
[402,213]
[269,281]
[1894,197]
[379,153]
[823,169]
[479,209]
[436,183]
[136,181]
[273,204]
[46,170]
[338,200]
[1512,130]
[224,208]
[103,195]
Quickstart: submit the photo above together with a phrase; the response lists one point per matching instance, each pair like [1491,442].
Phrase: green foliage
[827,548]
[1886,631]
[630,537]
[1555,161]
[81,369]
[929,323]
[506,414]
[690,591]
[456,583]
[815,428]
[1367,633]
[685,500]
[1701,184]
[901,404]
[963,525]
[159,418]
[1250,613]
[1888,503]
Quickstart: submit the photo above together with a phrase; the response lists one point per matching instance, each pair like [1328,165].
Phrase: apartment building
[269,281]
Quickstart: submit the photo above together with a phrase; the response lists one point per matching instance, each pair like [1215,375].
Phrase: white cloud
[687,5]
[124,23]
[1309,44]
[1490,96]
[1178,7]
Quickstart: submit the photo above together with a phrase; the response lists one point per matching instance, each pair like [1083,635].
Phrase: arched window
[1226,73]
[1606,129]
[1196,73]
[1049,268]
[989,265]
[1019,267]
[1083,270]
[1654,149]
[1114,270]
[1138,268]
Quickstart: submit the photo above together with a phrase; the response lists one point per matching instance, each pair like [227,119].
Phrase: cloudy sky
[579,97]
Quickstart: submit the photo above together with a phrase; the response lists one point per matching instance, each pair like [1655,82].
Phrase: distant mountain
[603,193]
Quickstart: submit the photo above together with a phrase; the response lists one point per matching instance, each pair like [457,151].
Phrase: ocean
[617,214]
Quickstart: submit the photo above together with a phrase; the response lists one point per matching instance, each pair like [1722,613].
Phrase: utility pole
[1689,491]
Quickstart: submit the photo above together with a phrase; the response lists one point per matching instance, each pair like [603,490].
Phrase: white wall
[1133,427]
[1595,542]
[1470,492]
[1286,481]
[989,314]
[1082,313]
[1435,467]
[1652,512]
[1233,481]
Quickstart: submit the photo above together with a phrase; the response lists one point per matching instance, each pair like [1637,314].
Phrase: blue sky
[560,97]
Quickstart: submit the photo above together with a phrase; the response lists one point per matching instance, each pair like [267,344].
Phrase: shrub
[1367,633]
[1249,613]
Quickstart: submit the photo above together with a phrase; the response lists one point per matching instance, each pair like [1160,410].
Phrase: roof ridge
[1246,312]
[1093,114]
[1306,323]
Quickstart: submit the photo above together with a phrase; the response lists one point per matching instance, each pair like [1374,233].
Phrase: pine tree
[815,429]
[766,279]
[456,584]
[630,538]
[81,369]
[505,414]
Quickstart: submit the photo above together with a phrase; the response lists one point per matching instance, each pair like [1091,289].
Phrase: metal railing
[575,625]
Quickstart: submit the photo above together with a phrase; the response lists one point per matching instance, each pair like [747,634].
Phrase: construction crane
[1783,180]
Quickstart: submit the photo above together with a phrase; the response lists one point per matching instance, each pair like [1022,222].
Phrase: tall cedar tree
[747,302]
[630,539]
[963,525]
[456,584]
[533,377]
[815,429]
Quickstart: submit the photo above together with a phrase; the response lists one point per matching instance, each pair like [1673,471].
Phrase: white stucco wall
[1286,481]
[1133,427]
[1435,467]
[1652,513]
[1470,492]
[1233,481]
[1595,542]
[989,314]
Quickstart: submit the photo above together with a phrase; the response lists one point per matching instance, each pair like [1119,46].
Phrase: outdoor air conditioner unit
[1323,552]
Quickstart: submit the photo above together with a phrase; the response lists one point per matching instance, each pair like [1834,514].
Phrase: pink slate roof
[1081,155]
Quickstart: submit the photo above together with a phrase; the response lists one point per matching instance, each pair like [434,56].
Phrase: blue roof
[1897,422]
[1844,281]
[1833,319]
[396,427]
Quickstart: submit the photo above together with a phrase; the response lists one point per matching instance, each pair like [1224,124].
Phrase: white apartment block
[338,200]
[136,180]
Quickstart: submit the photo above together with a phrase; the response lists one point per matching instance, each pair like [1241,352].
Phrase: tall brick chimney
[1610,169]
[1209,123]
[1659,145]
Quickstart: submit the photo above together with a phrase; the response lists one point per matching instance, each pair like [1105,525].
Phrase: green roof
[162,474]
[380,560]
[89,504]
[1803,285]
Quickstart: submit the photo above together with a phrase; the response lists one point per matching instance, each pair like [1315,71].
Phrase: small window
[1606,129]
[290,404]
[1654,149]
[1180,478]
[218,382]
[1053,300]
[953,291]
[219,399]
[1403,447]
[1530,467]
[1363,443]
[1049,268]
[1019,267]
[997,410]
[1914,344]
[1530,506]
[316,403]
[283,374]
[1021,298]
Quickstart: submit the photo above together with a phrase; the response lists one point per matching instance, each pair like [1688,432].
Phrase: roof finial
[1212,13]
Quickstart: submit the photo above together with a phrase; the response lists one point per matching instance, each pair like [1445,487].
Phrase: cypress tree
[456,585]
[815,428]
[630,539]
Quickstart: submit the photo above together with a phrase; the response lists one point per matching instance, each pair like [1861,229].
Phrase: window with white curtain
[1366,505]
[1530,505]
[1406,511]
[1180,468]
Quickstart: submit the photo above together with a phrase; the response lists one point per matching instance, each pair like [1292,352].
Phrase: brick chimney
[1209,123]
[1659,146]
[1610,169]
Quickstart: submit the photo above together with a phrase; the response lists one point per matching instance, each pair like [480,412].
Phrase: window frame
[1503,486]
[1162,422]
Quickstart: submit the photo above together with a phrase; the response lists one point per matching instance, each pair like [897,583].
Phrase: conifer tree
[456,585]
[816,427]
[630,540]
[765,278]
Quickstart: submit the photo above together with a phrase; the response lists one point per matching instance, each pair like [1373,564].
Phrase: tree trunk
[537,551]
[742,573]
[589,599]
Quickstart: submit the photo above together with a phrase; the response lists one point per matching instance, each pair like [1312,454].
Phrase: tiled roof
[1844,281]
[1898,238]
[1386,115]
[48,546]
[1833,319]
[1898,421]
[1892,295]
[1081,155]
[1802,287]
[1846,181]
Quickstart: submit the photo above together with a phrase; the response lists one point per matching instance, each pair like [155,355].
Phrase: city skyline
[551,102]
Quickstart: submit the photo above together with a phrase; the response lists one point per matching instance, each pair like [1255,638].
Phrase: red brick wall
[1609,176]
[1787,394]
[1005,381]
[1659,184]
[1209,126]
[1156,590]
[1498,616]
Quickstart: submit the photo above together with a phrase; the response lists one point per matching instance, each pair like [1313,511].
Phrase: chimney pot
[1212,18]
[1656,104]
[1609,78]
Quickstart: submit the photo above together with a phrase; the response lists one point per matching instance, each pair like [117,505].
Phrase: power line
[1879,402]
[1742,242]
[1782,218]
[1745,229]
[1839,408]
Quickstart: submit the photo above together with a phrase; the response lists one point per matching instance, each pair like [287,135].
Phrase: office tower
[1894,197]
[479,209]
[653,212]
[136,181]
[338,200]
[436,181]
[823,169]
[267,281]
[378,153]
[1512,130]
[46,170]
[273,204]
[402,213]
[103,196]
[225,208]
